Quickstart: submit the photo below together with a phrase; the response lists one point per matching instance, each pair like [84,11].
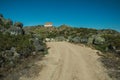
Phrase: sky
[99,14]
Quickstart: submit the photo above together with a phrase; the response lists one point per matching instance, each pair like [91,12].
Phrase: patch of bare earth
[67,61]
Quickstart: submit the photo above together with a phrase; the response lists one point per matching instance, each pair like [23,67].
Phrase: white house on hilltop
[48,24]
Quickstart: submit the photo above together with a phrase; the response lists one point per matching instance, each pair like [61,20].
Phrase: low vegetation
[105,40]
[18,43]
[17,46]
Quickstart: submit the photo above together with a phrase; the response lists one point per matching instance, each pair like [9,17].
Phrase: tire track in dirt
[67,61]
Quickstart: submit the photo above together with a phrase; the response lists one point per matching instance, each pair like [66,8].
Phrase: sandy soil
[67,61]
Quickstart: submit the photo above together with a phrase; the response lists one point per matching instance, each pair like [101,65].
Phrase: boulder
[76,39]
[34,53]
[60,38]
[99,40]
[15,54]
[47,39]
[91,39]
[38,46]
[11,64]
[16,31]
[69,38]
[83,40]
[13,49]
[18,24]
[52,40]
[8,53]
[96,39]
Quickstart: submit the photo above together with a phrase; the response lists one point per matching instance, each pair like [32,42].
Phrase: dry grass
[26,68]
[111,62]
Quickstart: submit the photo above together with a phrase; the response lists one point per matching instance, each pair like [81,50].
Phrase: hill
[106,40]
[16,46]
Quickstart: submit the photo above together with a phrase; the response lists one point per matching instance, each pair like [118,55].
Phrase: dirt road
[67,61]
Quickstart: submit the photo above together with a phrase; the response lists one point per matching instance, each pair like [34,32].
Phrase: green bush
[101,47]
[21,42]
[113,40]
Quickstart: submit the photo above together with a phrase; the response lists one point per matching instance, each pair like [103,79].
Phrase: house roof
[48,23]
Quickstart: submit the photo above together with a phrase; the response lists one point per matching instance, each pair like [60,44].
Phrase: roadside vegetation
[18,44]
[17,48]
[106,40]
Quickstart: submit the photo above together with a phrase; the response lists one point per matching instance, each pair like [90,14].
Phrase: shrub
[18,24]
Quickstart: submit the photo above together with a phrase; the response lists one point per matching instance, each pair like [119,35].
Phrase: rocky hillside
[105,40]
[16,45]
